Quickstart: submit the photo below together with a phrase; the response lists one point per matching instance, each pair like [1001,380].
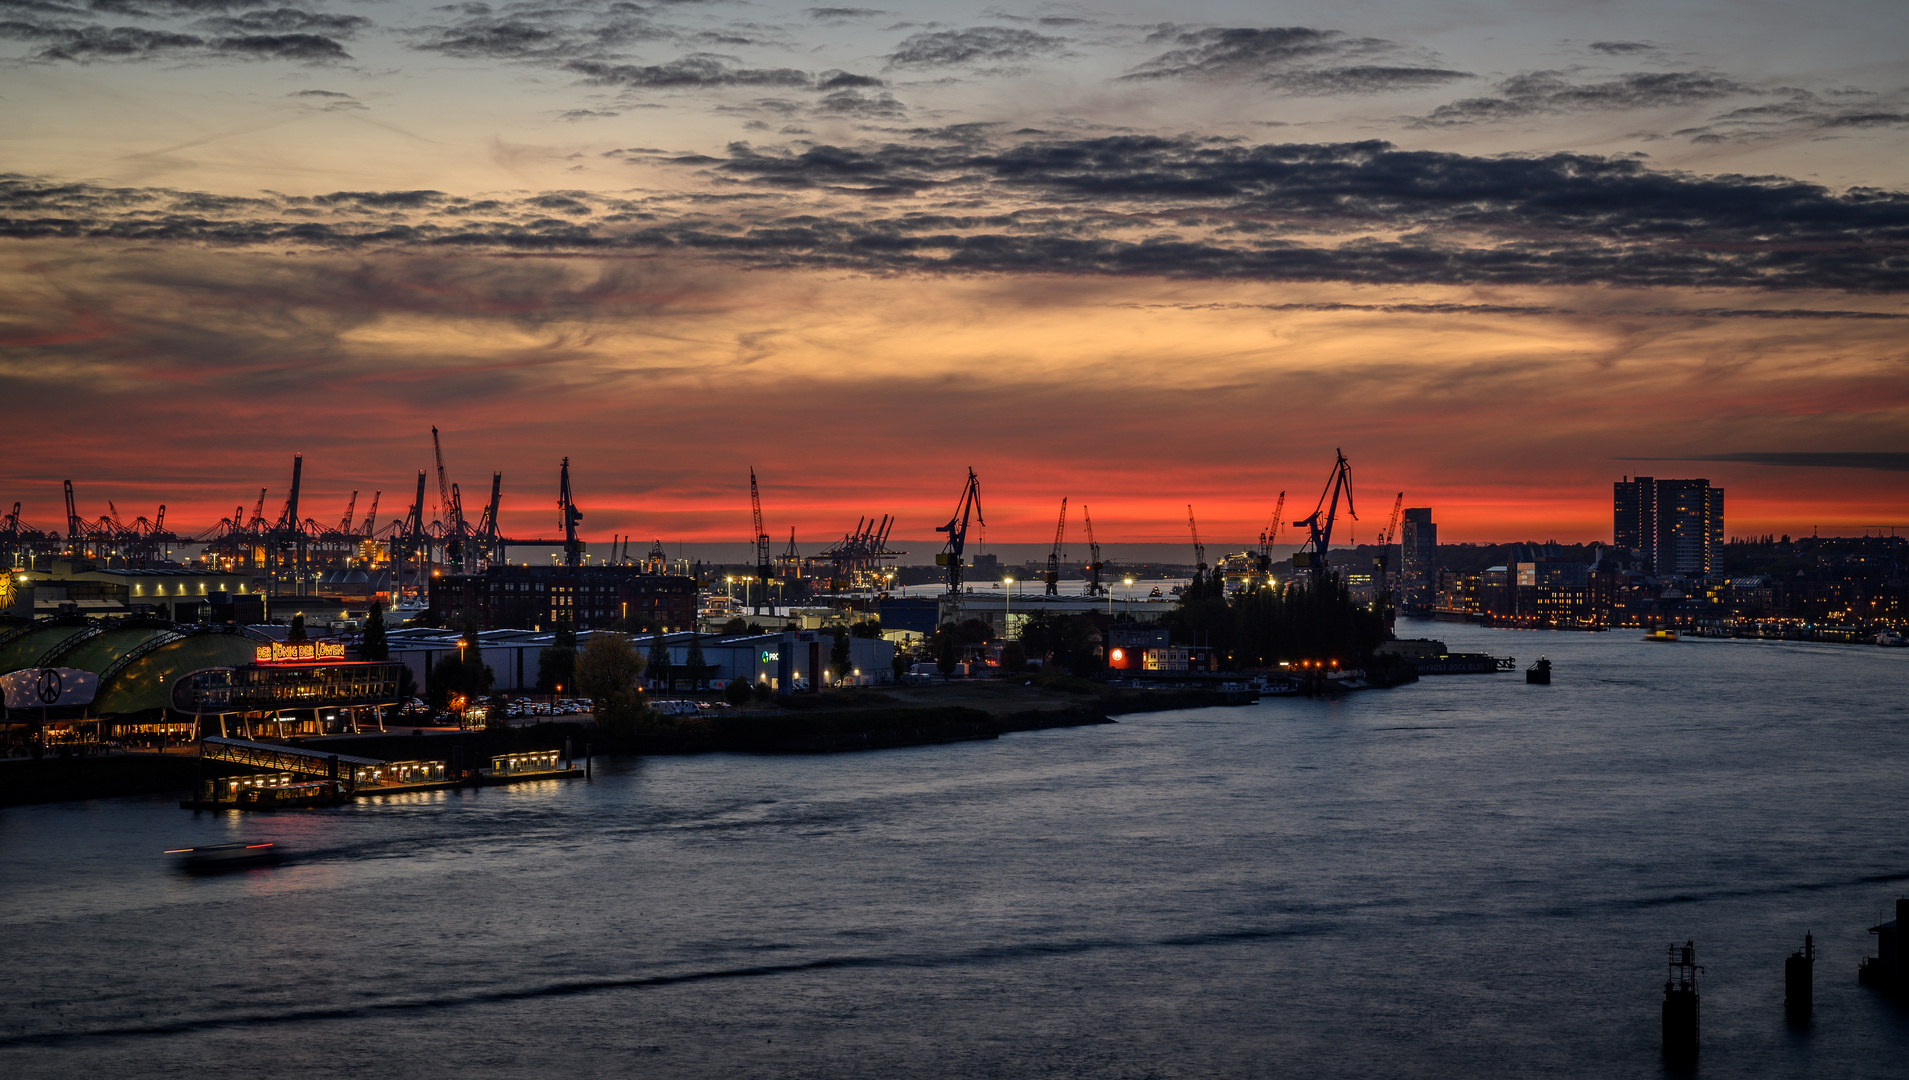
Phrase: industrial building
[513,656]
[538,598]
[170,591]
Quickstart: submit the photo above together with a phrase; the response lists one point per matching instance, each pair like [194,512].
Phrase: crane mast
[371,516]
[351,510]
[764,569]
[1319,533]
[1270,537]
[957,530]
[1093,553]
[570,516]
[1199,549]
[1053,576]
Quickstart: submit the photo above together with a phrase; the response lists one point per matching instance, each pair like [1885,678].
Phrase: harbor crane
[1269,537]
[1319,532]
[1199,549]
[1054,557]
[765,570]
[569,516]
[490,539]
[351,510]
[1389,536]
[1093,554]
[370,525]
[957,530]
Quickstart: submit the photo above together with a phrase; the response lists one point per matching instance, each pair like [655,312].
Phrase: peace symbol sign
[51,685]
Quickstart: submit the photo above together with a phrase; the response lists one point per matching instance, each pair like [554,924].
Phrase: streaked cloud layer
[1135,257]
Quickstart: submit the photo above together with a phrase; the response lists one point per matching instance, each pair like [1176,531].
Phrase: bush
[738,691]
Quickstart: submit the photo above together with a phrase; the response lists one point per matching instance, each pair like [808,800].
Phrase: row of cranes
[290,549]
[1312,556]
[861,559]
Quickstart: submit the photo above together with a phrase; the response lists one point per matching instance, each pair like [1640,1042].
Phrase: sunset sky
[1134,254]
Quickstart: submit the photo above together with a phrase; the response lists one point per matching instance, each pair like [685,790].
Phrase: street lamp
[1130,594]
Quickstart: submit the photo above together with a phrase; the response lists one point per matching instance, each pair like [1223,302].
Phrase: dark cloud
[307,47]
[844,80]
[117,43]
[1295,58]
[1177,207]
[1622,48]
[148,8]
[699,70]
[842,12]
[1885,460]
[1800,111]
[285,20]
[496,39]
[860,105]
[975,45]
[1547,92]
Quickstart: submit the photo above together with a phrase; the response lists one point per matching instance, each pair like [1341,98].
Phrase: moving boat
[219,857]
[1661,634]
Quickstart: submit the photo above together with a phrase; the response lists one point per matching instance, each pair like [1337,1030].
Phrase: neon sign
[292,652]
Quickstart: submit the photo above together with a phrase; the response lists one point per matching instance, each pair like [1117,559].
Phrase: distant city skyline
[1129,254]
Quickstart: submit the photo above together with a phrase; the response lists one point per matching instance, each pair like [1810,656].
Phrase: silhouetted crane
[1319,534]
[765,570]
[1093,556]
[1054,556]
[957,530]
[569,515]
[1270,537]
[1199,549]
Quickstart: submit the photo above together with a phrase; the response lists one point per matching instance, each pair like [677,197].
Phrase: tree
[841,662]
[947,649]
[298,628]
[698,667]
[735,628]
[375,645]
[738,691]
[659,665]
[607,670]
[465,675]
[900,662]
[1013,657]
[557,664]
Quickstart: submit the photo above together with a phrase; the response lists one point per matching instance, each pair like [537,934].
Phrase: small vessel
[1889,639]
[1539,674]
[221,857]
[1661,634]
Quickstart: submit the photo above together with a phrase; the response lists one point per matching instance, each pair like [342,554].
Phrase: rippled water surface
[1464,877]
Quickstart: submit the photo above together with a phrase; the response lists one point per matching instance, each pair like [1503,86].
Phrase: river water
[1463,877]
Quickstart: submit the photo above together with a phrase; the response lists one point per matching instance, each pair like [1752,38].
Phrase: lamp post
[1129,595]
[1007,615]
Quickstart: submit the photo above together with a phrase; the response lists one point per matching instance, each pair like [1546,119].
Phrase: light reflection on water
[1465,876]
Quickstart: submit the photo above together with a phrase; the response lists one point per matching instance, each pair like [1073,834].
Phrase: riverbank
[959,711]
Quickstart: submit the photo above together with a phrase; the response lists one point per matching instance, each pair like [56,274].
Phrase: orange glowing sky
[1500,259]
